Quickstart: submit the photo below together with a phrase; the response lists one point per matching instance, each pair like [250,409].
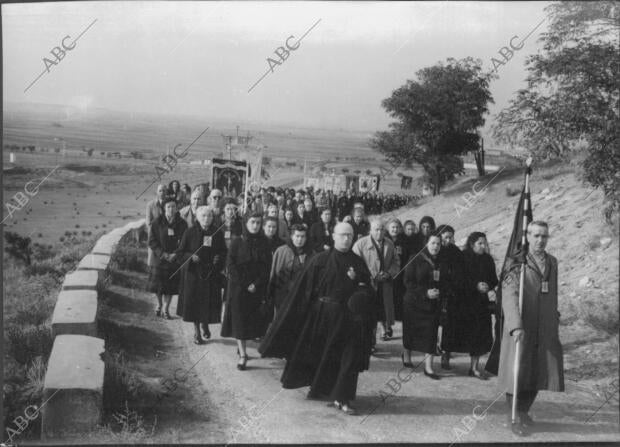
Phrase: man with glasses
[324,327]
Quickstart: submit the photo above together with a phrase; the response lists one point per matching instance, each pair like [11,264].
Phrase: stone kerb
[81,280]
[73,387]
[75,313]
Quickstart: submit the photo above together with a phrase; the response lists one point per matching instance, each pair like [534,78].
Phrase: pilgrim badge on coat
[170,231]
[399,251]
[435,275]
[206,241]
[545,287]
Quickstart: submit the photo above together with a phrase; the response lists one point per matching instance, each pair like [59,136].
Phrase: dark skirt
[399,293]
[159,279]
[481,333]
[242,315]
[202,299]
[420,328]
[468,328]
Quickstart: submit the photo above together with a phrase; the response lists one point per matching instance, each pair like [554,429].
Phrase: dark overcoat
[201,300]
[421,314]
[164,238]
[248,262]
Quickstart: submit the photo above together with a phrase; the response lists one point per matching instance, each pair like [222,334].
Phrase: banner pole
[516,368]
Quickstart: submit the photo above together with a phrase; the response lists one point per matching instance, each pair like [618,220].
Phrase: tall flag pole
[515,254]
[526,210]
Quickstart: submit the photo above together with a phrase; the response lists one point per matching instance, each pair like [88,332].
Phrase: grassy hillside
[585,246]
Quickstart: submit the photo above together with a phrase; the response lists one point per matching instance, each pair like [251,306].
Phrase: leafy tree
[570,106]
[437,118]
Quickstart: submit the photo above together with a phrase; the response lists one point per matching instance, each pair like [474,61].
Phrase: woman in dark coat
[425,283]
[164,237]
[248,265]
[202,252]
[481,278]
[455,311]
[401,246]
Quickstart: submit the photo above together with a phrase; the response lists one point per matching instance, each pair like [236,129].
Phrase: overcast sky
[201,58]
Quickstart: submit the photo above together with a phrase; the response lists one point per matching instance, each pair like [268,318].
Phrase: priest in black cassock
[324,329]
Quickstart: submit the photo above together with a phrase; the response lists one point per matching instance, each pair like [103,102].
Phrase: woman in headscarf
[455,317]
[164,237]
[288,261]
[248,265]
[425,283]
[481,279]
[177,194]
[231,225]
[426,228]
[395,234]
[285,224]
[202,252]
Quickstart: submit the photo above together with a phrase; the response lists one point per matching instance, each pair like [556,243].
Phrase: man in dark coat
[536,326]
[324,328]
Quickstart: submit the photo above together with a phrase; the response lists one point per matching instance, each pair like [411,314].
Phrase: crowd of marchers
[319,284]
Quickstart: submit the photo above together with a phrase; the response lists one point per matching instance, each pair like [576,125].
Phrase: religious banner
[313,182]
[229,176]
[405,182]
[352,182]
[368,183]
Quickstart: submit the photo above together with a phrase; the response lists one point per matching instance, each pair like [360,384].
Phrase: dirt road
[213,402]
[394,405]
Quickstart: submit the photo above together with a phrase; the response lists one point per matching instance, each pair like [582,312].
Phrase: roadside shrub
[510,191]
[25,344]
[127,257]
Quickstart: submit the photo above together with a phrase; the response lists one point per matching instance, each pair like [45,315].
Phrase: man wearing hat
[324,329]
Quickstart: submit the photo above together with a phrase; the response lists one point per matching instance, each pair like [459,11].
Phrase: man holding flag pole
[531,354]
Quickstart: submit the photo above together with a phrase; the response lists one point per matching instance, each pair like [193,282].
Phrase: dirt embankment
[584,244]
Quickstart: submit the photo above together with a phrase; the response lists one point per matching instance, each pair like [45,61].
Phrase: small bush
[510,191]
[25,344]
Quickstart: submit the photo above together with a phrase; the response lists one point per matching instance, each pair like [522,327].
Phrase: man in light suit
[379,254]
[154,209]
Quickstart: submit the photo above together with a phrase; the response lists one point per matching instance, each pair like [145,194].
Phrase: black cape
[310,333]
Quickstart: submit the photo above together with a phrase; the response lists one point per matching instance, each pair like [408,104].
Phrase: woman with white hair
[164,236]
[202,252]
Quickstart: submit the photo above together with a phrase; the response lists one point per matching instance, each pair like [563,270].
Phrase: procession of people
[312,280]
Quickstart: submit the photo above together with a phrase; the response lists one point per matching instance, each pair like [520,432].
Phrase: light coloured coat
[541,366]
[153,211]
[366,250]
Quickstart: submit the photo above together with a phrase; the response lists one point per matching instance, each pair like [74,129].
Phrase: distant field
[107,131]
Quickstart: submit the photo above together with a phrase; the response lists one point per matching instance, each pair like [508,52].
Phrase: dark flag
[515,256]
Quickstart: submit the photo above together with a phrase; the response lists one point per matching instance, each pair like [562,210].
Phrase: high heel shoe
[431,375]
[198,340]
[345,407]
[405,364]
[241,365]
[389,332]
[478,374]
